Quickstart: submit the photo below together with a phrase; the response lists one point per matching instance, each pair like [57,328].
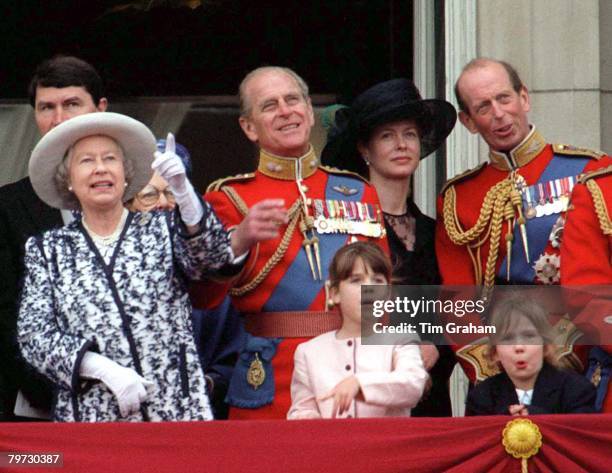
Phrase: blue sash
[539,228]
[297,289]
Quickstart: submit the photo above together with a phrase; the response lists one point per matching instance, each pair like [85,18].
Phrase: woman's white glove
[129,387]
[169,166]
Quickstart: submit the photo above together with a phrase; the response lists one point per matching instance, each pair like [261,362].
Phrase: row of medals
[340,216]
[546,198]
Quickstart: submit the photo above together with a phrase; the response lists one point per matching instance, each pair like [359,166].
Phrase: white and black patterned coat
[134,311]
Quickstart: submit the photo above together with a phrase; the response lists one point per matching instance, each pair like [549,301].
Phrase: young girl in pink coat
[335,375]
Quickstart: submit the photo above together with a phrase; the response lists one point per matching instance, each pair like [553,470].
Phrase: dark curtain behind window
[197,51]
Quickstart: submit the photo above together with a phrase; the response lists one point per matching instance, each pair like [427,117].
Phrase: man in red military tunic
[503,221]
[281,289]
[587,261]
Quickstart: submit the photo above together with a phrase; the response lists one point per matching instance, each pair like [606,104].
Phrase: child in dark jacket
[529,382]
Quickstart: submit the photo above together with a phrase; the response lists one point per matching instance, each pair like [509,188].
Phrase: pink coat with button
[391,377]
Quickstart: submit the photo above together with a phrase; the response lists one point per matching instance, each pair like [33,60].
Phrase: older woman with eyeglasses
[156,195]
[104,312]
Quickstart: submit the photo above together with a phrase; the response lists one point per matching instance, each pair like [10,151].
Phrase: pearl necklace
[107,240]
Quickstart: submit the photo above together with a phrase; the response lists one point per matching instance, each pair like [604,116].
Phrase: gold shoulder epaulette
[462,176]
[332,170]
[570,150]
[595,173]
[219,183]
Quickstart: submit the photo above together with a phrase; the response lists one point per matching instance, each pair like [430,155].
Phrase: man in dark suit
[61,88]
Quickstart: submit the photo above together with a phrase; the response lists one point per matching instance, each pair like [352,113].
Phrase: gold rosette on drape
[522,439]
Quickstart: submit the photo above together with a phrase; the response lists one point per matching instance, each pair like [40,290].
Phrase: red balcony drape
[571,443]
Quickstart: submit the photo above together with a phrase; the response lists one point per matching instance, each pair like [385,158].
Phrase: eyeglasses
[150,195]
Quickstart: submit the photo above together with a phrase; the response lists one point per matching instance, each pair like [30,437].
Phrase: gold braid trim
[600,207]
[456,234]
[294,217]
[236,200]
[461,177]
[333,170]
[219,183]
[496,228]
[583,178]
[490,219]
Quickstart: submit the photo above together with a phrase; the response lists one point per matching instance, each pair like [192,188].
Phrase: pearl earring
[125,184]
[367,161]
[69,188]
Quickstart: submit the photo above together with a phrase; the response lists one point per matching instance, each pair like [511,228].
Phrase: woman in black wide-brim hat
[382,136]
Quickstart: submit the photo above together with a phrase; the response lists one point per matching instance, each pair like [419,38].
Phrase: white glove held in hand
[169,166]
[129,387]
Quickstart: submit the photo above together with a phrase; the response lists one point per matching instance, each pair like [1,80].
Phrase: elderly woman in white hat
[104,313]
